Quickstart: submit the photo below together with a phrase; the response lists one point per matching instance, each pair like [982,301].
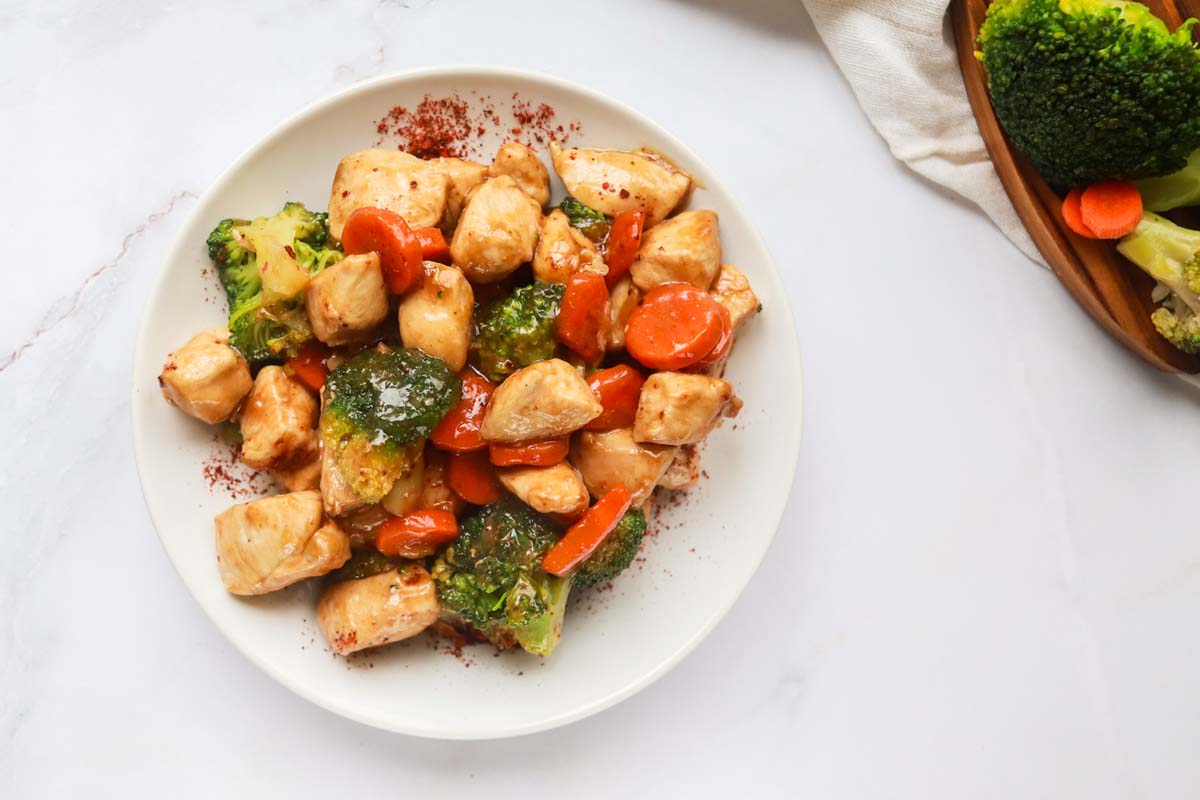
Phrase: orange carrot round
[416,535]
[545,453]
[721,348]
[618,389]
[1111,209]
[583,319]
[675,326]
[309,365]
[472,478]
[459,430]
[433,245]
[1073,216]
[582,538]
[624,239]
[385,232]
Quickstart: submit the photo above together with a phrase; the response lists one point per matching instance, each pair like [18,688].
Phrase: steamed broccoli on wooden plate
[465,401]
[1104,100]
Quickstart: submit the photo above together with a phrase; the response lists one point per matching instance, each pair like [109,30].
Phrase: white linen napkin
[900,60]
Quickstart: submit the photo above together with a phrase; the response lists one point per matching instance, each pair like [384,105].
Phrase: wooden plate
[1114,292]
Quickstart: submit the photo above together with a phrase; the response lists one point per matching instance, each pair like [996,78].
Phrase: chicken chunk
[732,290]
[278,421]
[542,401]
[347,300]
[368,612]
[436,492]
[562,251]
[496,232]
[464,177]
[623,299]
[415,189]
[336,493]
[683,249]
[678,408]
[551,490]
[684,471]
[299,478]
[436,317]
[405,495]
[608,458]
[271,543]
[616,181]
[522,165]
[206,378]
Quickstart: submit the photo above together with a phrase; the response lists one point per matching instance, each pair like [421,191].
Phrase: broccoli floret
[1092,89]
[1176,190]
[591,222]
[616,552]
[379,407]
[519,330]
[362,565]
[264,265]
[1170,254]
[491,577]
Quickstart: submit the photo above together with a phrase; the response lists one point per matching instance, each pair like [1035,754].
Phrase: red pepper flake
[624,193]
[225,473]
[288,249]
[447,127]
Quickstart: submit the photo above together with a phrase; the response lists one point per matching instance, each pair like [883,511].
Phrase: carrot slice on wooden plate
[582,538]
[1073,216]
[1111,209]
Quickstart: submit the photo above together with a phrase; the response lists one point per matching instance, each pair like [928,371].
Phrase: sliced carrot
[472,478]
[433,245]
[1111,209]
[416,535]
[582,538]
[721,348]
[583,319]
[385,232]
[618,389]
[1073,216]
[309,365]
[675,326]
[458,431]
[624,239]
[545,453]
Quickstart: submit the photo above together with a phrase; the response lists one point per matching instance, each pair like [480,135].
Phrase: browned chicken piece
[683,249]
[464,177]
[206,378]
[278,422]
[732,290]
[336,493]
[684,471]
[496,232]
[623,299]
[562,251]
[436,317]
[436,493]
[347,300]
[616,181]
[413,188]
[304,476]
[405,496]
[551,490]
[522,164]
[271,543]
[609,458]
[384,608]
[678,408]
[542,401]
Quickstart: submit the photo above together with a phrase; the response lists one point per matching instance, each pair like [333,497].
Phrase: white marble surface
[988,581]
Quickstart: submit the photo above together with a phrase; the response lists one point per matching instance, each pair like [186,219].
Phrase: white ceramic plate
[616,642]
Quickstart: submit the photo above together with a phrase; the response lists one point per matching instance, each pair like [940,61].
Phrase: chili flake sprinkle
[451,126]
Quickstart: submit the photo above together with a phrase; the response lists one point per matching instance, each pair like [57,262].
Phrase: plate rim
[781,303]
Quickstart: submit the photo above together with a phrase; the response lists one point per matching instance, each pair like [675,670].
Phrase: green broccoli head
[267,320]
[364,564]
[379,407]
[616,552]
[1092,89]
[1170,254]
[519,330]
[591,222]
[491,577]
